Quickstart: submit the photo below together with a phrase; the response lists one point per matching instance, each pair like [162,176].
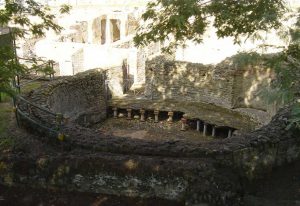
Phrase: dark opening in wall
[103,31]
[163,116]
[177,116]
[192,123]
[115,28]
[223,131]
[209,129]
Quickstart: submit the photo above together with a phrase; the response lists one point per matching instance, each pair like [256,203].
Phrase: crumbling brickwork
[80,34]
[225,85]
[187,81]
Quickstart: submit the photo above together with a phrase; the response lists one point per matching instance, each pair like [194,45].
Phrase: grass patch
[30,86]
[6,140]
[5,113]
[6,143]
[4,97]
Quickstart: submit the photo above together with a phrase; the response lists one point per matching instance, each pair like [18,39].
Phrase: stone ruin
[219,101]
[193,173]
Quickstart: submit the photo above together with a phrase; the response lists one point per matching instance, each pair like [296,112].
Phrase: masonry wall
[224,84]
[187,81]
[149,52]
[80,34]
[249,87]
[78,61]
[96,29]
[82,97]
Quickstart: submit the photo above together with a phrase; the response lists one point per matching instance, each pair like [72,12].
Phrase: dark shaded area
[281,187]
[33,197]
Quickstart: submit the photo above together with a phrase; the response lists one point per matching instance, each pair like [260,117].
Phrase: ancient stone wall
[225,85]
[204,173]
[80,34]
[249,86]
[197,173]
[132,25]
[115,81]
[187,81]
[78,61]
[80,98]
[96,29]
[143,54]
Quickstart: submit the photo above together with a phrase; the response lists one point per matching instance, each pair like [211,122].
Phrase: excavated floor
[149,130]
[211,114]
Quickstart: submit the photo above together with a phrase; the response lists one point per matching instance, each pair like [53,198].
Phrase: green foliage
[286,64]
[30,86]
[20,15]
[9,68]
[294,121]
[65,9]
[244,59]
[180,20]
[5,112]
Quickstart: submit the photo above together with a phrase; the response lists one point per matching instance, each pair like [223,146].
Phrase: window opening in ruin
[115,29]
[128,79]
[103,31]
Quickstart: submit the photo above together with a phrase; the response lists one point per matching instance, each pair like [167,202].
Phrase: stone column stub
[198,125]
[170,118]
[142,111]
[204,129]
[229,133]
[129,113]
[183,124]
[213,133]
[156,113]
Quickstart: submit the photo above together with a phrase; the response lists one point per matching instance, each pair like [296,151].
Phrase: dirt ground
[149,130]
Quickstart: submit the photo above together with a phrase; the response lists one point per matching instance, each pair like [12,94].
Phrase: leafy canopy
[28,18]
[287,68]
[180,20]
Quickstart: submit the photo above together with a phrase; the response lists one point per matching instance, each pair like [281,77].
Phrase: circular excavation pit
[184,152]
[155,125]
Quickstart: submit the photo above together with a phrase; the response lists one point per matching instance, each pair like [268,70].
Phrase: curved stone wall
[81,99]
[209,172]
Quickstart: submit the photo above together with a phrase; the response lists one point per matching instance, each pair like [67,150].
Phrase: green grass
[25,89]
[4,97]
[5,113]
[6,108]
[30,86]
[6,116]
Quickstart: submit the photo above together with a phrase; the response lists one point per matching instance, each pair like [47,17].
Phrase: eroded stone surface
[204,172]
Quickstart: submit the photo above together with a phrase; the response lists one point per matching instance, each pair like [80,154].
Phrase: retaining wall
[225,84]
[207,172]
